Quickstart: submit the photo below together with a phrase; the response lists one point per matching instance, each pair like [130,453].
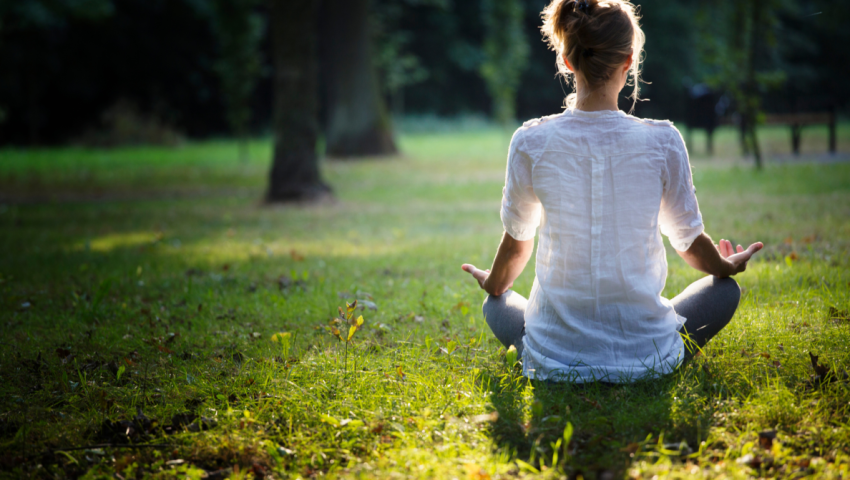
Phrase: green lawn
[140,289]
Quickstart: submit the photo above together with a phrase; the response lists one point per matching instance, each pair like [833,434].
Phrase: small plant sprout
[346,316]
[285,340]
[511,356]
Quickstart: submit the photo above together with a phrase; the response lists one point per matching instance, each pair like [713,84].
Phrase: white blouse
[602,186]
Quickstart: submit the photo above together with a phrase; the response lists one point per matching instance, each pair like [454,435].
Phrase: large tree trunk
[357,120]
[295,171]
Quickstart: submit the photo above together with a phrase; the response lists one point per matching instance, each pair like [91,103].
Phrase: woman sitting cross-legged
[603,186]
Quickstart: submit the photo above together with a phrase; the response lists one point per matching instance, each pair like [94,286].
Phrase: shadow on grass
[612,425]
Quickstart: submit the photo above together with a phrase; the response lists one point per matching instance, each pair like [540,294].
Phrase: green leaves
[347,316]
[511,356]
[282,337]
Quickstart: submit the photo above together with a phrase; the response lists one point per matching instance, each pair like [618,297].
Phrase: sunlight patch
[112,241]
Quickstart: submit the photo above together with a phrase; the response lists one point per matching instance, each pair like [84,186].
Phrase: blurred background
[109,72]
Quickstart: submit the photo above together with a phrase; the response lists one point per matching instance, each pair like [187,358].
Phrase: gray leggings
[708,305]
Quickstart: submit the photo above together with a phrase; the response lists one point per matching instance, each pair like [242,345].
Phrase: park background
[170,304]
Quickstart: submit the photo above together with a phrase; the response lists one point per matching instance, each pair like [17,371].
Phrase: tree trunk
[357,120]
[295,171]
[751,89]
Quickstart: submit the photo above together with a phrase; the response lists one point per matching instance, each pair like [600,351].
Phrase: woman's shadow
[610,425]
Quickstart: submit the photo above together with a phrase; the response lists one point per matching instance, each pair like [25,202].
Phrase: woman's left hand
[476,273]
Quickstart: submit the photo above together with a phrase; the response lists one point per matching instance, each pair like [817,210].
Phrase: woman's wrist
[727,269]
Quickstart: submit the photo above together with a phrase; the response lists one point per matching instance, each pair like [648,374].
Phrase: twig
[115,445]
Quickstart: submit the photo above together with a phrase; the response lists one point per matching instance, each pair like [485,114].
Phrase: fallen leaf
[766,439]
[838,316]
[364,304]
[631,448]
[475,472]
[820,370]
[765,355]
[823,374]
[485,418]
[593,403]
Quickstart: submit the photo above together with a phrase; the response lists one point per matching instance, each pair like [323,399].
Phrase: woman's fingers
[755,247]
[476,273]
[724,249]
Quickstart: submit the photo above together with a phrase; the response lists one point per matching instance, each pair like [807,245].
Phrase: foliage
[505,55]
[65,62]
[51,13]
[398,65]
[216,310]
[239,29]
[739,46]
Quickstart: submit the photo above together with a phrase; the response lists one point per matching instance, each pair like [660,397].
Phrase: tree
[506,55]
[743,58]
[357,121]
[295,169]
[239,30]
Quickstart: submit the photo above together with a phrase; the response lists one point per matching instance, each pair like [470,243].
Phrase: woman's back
[603,186]
[601,183]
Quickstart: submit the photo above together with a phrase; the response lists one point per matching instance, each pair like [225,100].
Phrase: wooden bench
[799,120]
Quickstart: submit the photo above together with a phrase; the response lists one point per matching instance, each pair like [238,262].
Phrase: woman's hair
[596,36]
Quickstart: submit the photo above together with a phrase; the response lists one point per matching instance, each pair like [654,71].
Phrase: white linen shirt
[602,186]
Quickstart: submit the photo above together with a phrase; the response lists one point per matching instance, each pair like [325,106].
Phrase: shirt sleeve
[680,219]
[521,208]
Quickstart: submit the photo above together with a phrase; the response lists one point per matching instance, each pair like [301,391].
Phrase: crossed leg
[708,305]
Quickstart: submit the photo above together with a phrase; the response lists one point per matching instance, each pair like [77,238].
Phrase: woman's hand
[508,264]
[738,258]
[476,273]
[721,260]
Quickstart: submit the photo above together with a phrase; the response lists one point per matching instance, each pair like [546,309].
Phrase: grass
[141,289]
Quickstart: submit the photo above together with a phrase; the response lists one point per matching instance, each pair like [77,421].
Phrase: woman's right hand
[737,258]
[478,274]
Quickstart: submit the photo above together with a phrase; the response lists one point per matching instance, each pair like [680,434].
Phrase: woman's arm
[720,260]
[509,262]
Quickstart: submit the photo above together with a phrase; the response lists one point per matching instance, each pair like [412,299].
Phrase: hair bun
[583,6]
[596,37]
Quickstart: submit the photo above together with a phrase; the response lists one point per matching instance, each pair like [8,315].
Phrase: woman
[603,186]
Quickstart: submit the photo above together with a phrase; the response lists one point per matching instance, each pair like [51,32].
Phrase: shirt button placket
[596,215]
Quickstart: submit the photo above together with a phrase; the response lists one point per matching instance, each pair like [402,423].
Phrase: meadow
[160,321]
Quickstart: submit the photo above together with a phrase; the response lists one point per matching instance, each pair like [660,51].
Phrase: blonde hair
[596,37]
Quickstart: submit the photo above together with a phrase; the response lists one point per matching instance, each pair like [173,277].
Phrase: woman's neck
[596,99]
